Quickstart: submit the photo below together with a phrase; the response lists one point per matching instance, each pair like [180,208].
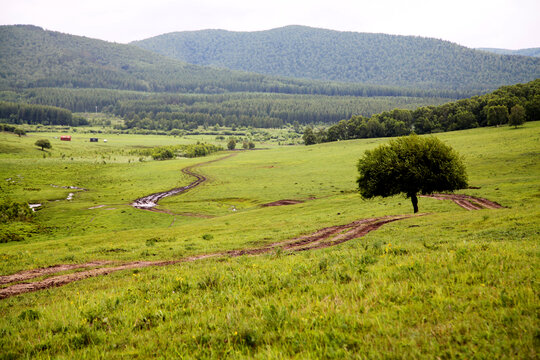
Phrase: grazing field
[450,283]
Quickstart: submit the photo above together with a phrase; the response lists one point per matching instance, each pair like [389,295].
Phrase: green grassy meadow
[450,284]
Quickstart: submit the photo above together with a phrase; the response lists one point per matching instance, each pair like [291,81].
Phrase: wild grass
[452,284]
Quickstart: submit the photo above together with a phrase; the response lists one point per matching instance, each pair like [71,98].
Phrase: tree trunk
[414,201]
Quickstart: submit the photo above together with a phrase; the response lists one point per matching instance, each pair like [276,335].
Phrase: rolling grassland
[450,283]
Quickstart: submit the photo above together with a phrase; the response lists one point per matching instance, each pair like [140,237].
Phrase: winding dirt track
[148,202]
[322,238]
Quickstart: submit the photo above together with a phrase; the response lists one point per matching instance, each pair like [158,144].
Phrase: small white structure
[104,140]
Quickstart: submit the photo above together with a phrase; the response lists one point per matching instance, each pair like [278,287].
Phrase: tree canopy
[410,165]
[43,144]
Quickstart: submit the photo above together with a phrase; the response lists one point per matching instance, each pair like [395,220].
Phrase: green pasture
[450,284]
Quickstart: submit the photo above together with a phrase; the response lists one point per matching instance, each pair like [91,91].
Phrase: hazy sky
[511,24]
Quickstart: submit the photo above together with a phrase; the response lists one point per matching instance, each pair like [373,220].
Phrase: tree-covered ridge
[304,52]
[514,104]
[523,52]
[31,57]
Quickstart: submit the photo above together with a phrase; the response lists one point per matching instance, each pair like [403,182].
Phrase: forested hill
[305,52]
[31,57]
[523,52]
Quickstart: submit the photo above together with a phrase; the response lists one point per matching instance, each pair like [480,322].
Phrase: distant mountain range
[304,52]
[31,57]
[290,60]
[523,52]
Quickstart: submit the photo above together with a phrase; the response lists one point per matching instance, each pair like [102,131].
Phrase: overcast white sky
[511,24]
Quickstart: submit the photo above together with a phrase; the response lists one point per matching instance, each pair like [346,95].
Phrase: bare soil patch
[283,202]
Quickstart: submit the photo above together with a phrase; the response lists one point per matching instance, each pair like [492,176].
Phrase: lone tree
[43,144]
[410,165]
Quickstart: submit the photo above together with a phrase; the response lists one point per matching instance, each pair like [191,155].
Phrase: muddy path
[465,201]
[149,202]
[17,283]
[322,238]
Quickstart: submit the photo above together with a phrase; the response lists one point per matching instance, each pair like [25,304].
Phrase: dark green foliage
[231,145]
[486,110]
[199,149]
[517,116]
[251,145]
[497,115]
[29,314]
[303,52]
[17,113]
[8,236]
[12,129]
[162,154]
[169,152]
[410,165]
[14,211]
[43,144]
[309,137]
[187,111]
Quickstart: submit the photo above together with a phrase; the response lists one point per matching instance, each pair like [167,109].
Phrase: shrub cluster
[169,152]
[14,211]
[12,129]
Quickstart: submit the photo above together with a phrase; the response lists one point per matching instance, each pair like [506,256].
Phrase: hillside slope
[305,52]
[32,57]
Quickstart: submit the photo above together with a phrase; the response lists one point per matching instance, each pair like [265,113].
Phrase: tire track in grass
[323,238]
[466,201]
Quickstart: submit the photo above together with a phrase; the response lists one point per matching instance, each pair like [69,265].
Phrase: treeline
[160,111]
[519,102]
[19,113]
[166,112]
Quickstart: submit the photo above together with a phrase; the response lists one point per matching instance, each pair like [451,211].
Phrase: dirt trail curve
[466,201]
[148,202]
[323,238]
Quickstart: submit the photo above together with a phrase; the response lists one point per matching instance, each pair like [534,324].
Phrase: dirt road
[148,202]
[56,275]
[323,238]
